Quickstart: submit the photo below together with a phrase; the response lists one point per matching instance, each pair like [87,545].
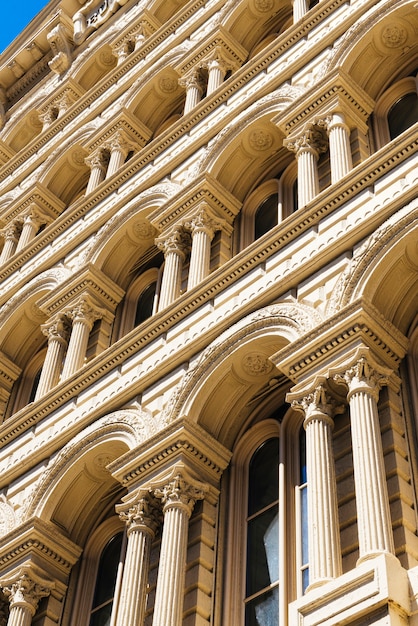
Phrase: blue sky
[15,16]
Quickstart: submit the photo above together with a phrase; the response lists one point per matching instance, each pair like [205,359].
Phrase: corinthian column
[57,330]
[119,147]
[142,518]
[202,228]
[307,147]
[83,316]
[339,146]
[175,247]
[323,527]
[24,593]
[98,163]
[300,9]
[11,234]
[32,220]
[178,497]
[216,72]
[364,380]
[194,90]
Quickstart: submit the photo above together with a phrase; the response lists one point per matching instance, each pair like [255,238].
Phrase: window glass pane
[107,572]
[145,304]
[266,215]
[263,610]
[264,476]
[263,551]
[403,114]
[102,616]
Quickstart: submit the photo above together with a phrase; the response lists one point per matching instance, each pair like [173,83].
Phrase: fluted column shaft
[98,165]
[299,9]
[216,74]
[11,235]
[142,519]
[174,247]
[193,91]
[178,498]
[83,316]
[323,525]
[119,148]
[373,513]
[31,223]
[307,147]
[202,228]
[339,147]
[57,332]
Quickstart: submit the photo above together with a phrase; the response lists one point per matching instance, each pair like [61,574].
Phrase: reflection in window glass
[403,114]
[105,583]
[266,215]
[262,596]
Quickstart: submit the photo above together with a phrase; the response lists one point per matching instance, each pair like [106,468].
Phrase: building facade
[208,314]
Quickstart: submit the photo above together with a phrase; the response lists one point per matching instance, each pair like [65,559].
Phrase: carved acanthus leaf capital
[84,311]
[26,589]
[58,329]
[203,221]
[311,139]
[142,514]
[192,81]
[181,492]
[175,242]
[317,404]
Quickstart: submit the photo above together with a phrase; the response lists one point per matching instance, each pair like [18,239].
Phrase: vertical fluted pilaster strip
[11,235]
[20,616]
[299,9]
[203,228]
[339,147]
[98,163]
[307,146]
[364,380]
[193,91]
[178,497]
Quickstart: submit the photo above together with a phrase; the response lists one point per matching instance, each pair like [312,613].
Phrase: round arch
[220,388]
[76,489]
[250,149]
[384,270]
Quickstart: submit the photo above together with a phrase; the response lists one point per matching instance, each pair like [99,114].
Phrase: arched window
[146,303]
[104,592]
[266,215]
[141,299]
[396,110]
[267,538]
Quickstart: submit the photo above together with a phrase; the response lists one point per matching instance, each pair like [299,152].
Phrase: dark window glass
[403,114]
[145,304]
[35,385]
[266,215]
[303,489]
[262,596]
[105,583]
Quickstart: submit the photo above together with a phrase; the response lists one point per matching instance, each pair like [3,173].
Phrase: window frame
[134,292]
[387,100]
[290,586]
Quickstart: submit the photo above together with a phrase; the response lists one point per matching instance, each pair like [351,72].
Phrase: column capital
[316,403]
[203,221]
[26,588]
[84,310]
[11,231]
[310,139]
[57,328]
[120,142]
[192,81]
[142,512]
[363,374]
[180,491]
[177,241]
[98,159]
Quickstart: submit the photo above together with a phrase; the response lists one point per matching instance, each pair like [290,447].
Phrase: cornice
[204,189]
[122,120]
[337,92]
[39,542]
[358,324]
[38,195]
[219,39]
[182,441]
[89,281]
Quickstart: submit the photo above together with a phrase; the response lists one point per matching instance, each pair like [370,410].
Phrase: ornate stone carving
[60,45]
[143,512]
[365,376]
[309,139]
[260,141]
[181,491]
[176,242]
[7,516]
[84,311]
[256,364]
[394,36]
[26,590]
[92,15]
